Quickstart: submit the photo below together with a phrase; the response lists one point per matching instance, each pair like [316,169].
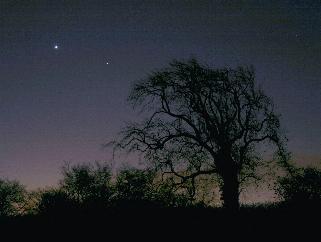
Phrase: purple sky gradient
[61,105]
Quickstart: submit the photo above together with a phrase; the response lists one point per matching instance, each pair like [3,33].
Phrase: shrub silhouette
[87,184]
[137,188]
[166,195]
[11,194]
[56,202]
[302,186]
[92,188]
[133,186]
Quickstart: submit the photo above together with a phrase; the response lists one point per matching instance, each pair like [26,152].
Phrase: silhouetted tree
[56,202]
[139,187]
[301,186]
[11,194]
[167,194]
[32,199]
[86,183]
[134,185]
[203,121]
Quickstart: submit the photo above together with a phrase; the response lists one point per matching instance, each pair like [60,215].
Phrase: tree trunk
[230,190]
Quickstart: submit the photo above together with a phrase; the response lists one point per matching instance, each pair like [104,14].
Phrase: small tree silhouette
[87,183]
[56,202]
[134,185]
[301,186]
[11,194]
[139,188]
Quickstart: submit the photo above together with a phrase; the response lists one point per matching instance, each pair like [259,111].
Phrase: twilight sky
[60,104]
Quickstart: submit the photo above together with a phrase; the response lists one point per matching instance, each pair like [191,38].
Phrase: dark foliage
[144,209]
[56,202]
[301,187]
[90,189]
[11,194]
[139,188]
[88,185]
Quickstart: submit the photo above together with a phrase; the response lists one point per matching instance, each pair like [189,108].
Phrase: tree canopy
[301,186]
[86,182]
[11,194]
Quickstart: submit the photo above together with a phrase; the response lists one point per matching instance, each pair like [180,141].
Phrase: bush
[134,184]
[55,202]
[300,187]
[87,183]
[91,188]
[136,187]
[11,194]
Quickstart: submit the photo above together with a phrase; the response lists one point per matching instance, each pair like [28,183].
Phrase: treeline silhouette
[93,187]
[90,198]
[89,187]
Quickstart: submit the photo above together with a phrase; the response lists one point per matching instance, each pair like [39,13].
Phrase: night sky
[66,68]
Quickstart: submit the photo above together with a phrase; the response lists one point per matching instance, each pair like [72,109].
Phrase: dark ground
[250,224]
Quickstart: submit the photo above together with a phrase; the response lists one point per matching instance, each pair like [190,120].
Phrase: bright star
[56,47]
